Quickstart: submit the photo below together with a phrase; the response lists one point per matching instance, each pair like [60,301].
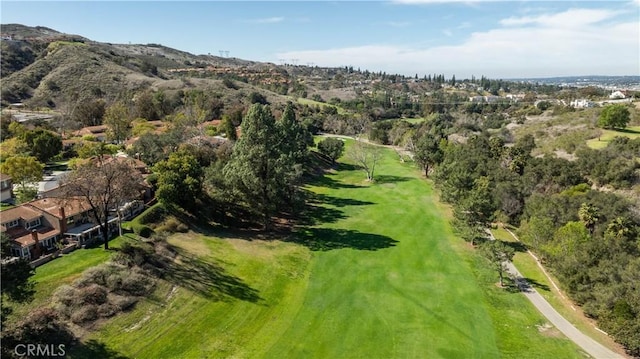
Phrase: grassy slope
[186,325]
[608,135]
[401,295]
[391,281]
[310,102]
[419,298]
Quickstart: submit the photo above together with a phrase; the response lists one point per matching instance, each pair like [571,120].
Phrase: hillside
[43,68]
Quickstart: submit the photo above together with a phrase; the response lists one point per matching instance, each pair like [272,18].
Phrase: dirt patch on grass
[139,324]
[549,330]
[191,242]
[261,248]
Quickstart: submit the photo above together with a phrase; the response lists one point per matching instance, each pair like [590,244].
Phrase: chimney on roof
[63,220]
[37,251]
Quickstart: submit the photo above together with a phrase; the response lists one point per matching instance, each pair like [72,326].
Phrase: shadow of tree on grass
[93,349]
[181,268]
[625,130]
[313,214]
[326,181]
[336,201]
[207,279]
[523,284]
[325,239]
[516,246]
[341,166]
[381,179]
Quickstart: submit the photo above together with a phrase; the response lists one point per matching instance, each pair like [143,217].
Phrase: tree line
[589,238]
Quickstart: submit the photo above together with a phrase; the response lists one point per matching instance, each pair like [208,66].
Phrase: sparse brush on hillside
[115,286]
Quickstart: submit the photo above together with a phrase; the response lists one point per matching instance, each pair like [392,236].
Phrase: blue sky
[498,39]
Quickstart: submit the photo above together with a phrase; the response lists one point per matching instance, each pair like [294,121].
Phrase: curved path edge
[589,345]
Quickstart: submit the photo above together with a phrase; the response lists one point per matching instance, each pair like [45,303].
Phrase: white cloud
[447,32]
[569,18]
[574,42]
[266,20]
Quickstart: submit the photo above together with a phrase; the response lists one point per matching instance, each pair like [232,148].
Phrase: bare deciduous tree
[358,125]
[105,183]
[365,156]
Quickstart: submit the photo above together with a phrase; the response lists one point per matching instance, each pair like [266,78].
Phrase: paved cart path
[593,348]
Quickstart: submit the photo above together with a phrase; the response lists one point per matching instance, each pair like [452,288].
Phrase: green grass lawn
[375,273]
[608,135]
[310,102]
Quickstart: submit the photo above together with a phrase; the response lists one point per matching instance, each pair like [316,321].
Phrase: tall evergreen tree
[294,138]
[260,170]
[293,145]
[228,128]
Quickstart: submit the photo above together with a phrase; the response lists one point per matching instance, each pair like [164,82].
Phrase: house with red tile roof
[30,232]
[99,132]
[35,228]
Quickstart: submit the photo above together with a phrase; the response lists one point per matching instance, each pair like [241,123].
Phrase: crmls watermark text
[40,350]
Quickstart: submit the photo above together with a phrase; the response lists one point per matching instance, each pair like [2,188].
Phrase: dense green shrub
[143,231]
[153,214]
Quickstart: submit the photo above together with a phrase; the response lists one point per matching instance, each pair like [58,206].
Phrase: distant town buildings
[582,103]
[615,95]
